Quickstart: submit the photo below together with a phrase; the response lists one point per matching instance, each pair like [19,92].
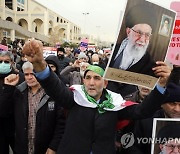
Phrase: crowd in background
[69,65]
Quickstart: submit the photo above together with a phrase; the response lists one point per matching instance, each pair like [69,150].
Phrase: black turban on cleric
[141,14]
[170,131]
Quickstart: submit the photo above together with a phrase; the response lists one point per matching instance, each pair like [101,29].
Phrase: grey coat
[72,75]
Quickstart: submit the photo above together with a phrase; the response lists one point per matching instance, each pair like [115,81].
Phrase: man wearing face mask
[6,119]
[64,61]
[95,59]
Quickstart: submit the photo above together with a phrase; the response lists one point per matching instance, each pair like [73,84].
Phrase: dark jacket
[143,129]
[50,121]
[64,62]
[128,125]
[134,97]
[6,116]
[6,122]
[55,61]
[87,130]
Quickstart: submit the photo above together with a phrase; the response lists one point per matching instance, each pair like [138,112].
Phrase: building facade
[24,19]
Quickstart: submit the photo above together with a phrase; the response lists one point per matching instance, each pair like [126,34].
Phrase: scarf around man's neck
[113,102]
[107,103]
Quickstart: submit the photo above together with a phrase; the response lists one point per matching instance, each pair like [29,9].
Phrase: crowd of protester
[33,121]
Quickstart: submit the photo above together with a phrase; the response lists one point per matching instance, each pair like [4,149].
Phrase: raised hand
[163,71]
[33,51]
[76,64]
[11,79]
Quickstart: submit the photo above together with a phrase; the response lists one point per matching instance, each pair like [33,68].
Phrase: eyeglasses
[172,147]
[140,34]
[5,61]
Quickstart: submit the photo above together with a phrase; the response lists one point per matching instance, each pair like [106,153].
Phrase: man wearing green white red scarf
[93,110]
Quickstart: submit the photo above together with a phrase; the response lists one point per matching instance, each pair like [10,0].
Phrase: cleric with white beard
[132,53]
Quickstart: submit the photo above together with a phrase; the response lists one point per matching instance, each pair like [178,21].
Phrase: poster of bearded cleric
[139,44]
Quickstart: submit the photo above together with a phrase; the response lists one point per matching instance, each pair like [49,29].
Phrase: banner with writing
[174,49]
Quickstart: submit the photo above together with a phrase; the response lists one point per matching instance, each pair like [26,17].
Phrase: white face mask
[5,68]
[95,63]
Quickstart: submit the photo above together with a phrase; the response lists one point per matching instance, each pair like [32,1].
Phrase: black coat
[63,62]
[6,116]
[87,130]
[143,129]
[50,122]
[58,64]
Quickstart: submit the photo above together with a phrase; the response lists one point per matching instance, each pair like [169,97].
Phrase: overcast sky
[103,18]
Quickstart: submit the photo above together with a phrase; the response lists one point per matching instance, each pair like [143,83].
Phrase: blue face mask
[5,68]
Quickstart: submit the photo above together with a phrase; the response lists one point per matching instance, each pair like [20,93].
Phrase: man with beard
[64,61]
[132,54]
[165,27]
[135,47]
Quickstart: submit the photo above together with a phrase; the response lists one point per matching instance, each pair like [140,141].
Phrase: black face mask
[60,56]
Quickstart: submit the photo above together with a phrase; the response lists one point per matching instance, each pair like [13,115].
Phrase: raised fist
[11,79]
[33,50]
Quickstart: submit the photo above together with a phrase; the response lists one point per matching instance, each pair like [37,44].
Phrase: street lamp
[98,31]
[85,14]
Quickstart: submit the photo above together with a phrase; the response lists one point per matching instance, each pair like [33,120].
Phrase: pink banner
[3,47]
[173,54]
[84,44]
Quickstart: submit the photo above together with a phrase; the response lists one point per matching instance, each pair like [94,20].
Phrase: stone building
[23,19]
